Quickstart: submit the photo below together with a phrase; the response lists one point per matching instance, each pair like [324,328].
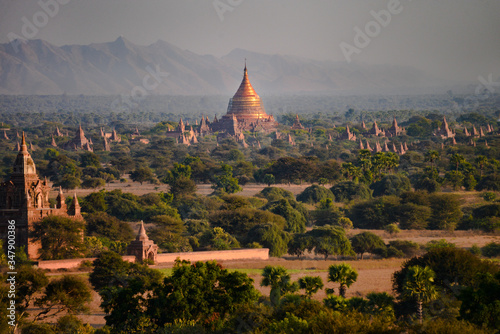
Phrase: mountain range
[36,67]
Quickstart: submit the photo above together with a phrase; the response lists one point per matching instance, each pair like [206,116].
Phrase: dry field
[203,189]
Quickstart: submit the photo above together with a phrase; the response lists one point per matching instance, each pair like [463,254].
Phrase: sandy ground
[202,189]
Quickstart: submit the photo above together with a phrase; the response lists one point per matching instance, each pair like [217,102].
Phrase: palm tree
[419,286]
[343,274]
[481,162]
[457,159]
[279,280]
[350,171]
[379,162]
[392,161]
[431,156]
[310,284]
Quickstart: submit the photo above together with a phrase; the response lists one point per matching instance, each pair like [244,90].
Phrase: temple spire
[24,147]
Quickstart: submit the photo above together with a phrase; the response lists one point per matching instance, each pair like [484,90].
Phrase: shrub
[491,250]
[409,248]
[314,194]
[489,196]
[490,182]
[391,185]
[349,190]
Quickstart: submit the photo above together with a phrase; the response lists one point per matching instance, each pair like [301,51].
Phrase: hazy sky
[451,39]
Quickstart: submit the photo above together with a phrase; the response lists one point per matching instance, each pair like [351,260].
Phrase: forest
[436,184]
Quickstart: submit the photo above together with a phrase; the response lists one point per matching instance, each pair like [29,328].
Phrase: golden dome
[246,104]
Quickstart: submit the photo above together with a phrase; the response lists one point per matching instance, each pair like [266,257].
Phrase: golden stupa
[246,104]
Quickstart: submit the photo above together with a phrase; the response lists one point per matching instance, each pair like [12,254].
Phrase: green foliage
[315,194]
[490,182]
[280,282]
[407,247]
[375,213]
[348,191]
[273,194]
[142,174]
[412,216]
[366,242]
[295,220]
[124,288]
[310,284]
[391,185]
[70,324]
[491,250]
[343,274]
[270,236]
[238,222]
[452,266]
[419,285]
[438,244]
[68,294]
[481,301]
[489,196]
[329,240]
[446,211]
[61,238]
[392,229]
[218,239]
[100,224]
[224,181]
[202,291]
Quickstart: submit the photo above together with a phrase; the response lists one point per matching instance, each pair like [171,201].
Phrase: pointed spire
[142,233]
[24,147]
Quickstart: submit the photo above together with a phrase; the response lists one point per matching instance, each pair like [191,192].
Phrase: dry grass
[462,239]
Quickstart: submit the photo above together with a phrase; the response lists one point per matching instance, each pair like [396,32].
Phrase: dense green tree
[446,212]
[481,301]
[343,274]
[412,216]
[295,220]
[270,236]
[142,174]
[348,191]
[490,182]
[315,194]
[100,224]
[224,181]
[238,222]
[69,294]
[125,289]
[366,242]
[218,239]
[89,159]
[202,292]
[60,237]
[391,185]
[375,213]
[299,244]
[329,240]
[94,202]
[273,194]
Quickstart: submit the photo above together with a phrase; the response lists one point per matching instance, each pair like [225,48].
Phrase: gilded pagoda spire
[245,102]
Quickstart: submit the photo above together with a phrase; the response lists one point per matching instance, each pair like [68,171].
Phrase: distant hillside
[39,68]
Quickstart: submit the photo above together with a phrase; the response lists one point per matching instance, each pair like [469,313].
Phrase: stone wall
[73,263]
[227,255]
